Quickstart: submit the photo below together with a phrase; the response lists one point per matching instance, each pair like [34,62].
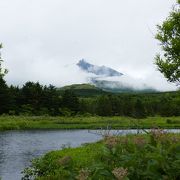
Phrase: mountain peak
[97,70]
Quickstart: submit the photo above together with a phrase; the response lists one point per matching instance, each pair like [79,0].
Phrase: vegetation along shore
[81,122]
[151,156]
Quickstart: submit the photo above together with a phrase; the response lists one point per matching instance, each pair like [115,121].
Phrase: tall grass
[80,122]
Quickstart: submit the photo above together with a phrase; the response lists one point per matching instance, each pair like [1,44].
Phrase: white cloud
[41,37]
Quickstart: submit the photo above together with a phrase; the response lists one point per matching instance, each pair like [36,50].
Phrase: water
[18,148]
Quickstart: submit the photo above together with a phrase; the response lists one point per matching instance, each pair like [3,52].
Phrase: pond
[18,148]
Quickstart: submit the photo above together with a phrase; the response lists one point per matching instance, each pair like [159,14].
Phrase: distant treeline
[36,99]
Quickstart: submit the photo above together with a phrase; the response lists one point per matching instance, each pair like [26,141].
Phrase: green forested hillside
[36,99]
[83,90]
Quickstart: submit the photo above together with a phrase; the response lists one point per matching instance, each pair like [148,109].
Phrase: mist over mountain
[111,80]
[120,86]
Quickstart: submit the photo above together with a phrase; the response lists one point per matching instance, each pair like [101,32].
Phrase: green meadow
[78,122]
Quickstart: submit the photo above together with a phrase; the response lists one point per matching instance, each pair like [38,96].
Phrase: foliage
[4,97]
[152,156]
[36,99]
[104,106]
[2,70]
[4,90]
[139,109]
[70,101]
[169,37]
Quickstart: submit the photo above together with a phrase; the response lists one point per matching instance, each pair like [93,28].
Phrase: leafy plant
[153,156]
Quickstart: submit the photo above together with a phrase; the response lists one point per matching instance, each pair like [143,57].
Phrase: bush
[66,112]
[27,110]
[169,121]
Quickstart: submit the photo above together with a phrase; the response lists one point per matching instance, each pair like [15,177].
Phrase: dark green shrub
[169,121]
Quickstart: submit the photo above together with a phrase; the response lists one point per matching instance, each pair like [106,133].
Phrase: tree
[32,95]
[4,93]
[2,70]
[70,101]
[51,100]
[104,106]
[139,109]
[4,97]
[169,36]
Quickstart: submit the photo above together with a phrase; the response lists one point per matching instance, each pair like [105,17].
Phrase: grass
[96,122]
[152,156]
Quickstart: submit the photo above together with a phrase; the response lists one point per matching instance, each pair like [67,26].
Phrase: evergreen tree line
[35,99]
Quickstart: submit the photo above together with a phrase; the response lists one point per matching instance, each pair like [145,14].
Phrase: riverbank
[152,156]
[96,122]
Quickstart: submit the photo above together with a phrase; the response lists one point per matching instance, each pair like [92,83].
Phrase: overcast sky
[44,39]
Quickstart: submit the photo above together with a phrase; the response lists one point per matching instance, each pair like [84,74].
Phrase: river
[18,148]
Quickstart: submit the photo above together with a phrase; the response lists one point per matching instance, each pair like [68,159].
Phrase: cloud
[150,82]
[41,37]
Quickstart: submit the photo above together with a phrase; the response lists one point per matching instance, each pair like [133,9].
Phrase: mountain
[84,90]
[97,70]
[101,88]
[89,90]
[106,79]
